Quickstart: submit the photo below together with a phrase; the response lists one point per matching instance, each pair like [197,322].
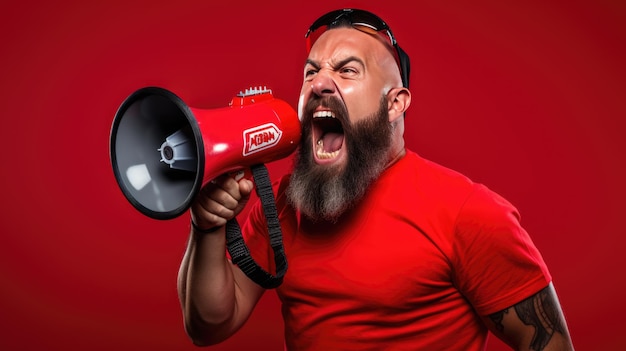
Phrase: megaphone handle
[237,248]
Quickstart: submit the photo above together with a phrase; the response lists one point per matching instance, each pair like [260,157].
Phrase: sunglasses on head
[366,22]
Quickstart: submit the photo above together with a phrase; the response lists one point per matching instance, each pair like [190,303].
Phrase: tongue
[332,141]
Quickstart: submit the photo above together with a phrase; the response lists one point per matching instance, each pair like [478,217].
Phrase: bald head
[376,54]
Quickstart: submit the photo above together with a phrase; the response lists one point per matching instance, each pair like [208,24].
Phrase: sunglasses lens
[369,19]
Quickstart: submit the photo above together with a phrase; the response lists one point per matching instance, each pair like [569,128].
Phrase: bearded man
[386,250]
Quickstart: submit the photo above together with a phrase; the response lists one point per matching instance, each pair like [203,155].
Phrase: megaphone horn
[163,151]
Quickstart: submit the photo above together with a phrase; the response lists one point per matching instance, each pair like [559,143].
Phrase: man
[386,250]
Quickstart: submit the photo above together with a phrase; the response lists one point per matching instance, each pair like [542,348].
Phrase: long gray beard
[325,193]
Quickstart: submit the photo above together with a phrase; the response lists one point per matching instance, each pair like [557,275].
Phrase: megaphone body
[164,151]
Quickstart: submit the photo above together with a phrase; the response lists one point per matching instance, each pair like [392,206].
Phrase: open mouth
[327,135]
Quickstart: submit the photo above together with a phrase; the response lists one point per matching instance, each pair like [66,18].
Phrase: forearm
[206,289]
[216,297]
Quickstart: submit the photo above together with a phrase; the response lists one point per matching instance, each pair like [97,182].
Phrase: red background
[526,97]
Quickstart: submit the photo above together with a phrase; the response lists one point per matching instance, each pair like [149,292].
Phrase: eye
[310,71]
[348,70]
[350,67]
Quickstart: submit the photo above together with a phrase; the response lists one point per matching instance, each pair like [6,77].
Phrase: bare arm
[536,323]
[216,297]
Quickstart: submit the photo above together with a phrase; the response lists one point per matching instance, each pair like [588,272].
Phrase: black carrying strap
[237,248]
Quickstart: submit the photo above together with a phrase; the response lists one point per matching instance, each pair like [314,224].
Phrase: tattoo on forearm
[540,312]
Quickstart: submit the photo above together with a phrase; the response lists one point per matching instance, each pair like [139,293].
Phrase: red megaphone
[164,151]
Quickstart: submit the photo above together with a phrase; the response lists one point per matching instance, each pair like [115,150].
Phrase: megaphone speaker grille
[157,152]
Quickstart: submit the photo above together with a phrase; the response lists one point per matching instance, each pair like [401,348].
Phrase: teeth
[319,150]
[324,114]
[323,155]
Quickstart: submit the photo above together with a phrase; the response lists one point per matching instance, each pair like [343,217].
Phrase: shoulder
[487,213]
[417,182]
[466,199]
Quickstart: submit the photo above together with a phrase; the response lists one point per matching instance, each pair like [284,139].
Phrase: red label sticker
[260,138]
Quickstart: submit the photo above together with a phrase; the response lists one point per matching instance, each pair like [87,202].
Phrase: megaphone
[163,151]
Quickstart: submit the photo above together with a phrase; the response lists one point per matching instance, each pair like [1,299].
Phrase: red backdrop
[526,97]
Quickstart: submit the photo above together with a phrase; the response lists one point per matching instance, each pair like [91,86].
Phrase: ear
[399,100]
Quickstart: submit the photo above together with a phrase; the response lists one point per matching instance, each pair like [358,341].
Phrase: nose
[323,84]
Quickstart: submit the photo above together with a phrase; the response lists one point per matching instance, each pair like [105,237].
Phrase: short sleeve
[496,263]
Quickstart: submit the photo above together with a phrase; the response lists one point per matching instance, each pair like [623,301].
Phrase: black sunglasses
[366,22]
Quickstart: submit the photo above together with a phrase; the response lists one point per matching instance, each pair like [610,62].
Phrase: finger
[226,192]
[245,187]
[218,201]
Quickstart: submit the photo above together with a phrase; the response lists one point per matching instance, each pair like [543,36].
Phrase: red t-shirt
[411,267]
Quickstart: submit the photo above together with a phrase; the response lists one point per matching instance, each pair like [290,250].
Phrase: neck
[396,156]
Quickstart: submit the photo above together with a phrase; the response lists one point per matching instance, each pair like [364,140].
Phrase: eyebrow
[341,63]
